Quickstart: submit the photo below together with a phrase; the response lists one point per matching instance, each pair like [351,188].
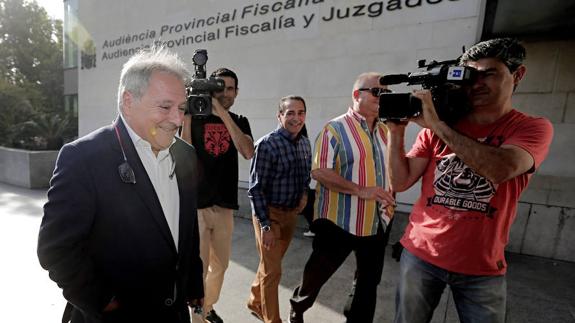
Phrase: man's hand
[217,108]
[302,202]
[376,193]
[396,126]
[268,239]
[428,118]
[195,304]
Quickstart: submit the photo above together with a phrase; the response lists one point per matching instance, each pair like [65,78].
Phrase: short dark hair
[290,97]
[222,71]
[507,50]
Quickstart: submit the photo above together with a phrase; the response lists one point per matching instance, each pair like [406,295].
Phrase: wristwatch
[266,228]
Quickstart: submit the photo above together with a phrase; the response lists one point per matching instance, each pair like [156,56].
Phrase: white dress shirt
[160,170]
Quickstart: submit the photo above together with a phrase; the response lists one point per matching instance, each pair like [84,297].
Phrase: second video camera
[444,79]
[201,88]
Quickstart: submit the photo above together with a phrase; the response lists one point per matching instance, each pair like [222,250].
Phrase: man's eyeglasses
[375,91]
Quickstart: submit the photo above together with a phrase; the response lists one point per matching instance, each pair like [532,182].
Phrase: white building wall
[319,61]
[545,223]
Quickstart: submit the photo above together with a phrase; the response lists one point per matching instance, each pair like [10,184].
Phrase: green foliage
[52,128]
[15,108]
[31,76]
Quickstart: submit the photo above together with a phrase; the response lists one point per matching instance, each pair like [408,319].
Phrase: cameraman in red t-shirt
[472,176]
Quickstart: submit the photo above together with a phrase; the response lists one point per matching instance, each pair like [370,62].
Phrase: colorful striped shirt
[346,145]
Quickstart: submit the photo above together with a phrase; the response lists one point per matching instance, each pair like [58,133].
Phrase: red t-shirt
[461,221]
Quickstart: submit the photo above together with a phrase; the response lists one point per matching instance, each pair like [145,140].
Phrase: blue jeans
[477,298]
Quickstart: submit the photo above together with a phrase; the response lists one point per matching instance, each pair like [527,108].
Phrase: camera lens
[200,57]
[398,106]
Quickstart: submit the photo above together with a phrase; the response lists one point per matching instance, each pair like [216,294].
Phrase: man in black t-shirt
[218,138]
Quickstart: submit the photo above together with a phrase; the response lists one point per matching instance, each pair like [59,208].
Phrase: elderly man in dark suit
[119,233]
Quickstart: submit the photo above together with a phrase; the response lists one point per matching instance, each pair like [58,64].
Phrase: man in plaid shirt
[279,179]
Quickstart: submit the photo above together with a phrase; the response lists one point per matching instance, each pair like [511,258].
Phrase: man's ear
[127,102]
[519,74]
[355,94]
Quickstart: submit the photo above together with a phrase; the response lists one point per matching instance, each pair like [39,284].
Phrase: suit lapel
[185,166]
[143,185]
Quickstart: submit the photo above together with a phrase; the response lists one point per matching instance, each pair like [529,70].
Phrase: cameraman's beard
[226,102]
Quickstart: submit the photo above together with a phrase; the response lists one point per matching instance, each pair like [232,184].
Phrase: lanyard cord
[120,141]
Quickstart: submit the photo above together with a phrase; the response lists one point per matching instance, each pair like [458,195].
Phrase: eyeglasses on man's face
[375,91]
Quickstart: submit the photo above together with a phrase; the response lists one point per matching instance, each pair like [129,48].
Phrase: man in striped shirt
[279,179]
[353,209]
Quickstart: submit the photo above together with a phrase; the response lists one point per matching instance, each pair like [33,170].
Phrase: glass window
[70,33]
[71,104]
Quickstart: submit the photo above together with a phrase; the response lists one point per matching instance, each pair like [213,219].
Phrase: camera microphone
[393,79]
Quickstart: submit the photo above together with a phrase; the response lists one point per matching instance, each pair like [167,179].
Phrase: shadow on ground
[539,290]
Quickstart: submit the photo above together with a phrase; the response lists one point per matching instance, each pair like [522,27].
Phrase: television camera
[200,88]
[445,80]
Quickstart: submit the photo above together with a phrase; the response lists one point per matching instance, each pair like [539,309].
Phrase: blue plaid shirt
[279,172]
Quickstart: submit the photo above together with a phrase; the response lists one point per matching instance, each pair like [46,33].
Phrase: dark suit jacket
[103,239]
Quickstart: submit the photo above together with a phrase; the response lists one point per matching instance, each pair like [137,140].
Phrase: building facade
[316,48]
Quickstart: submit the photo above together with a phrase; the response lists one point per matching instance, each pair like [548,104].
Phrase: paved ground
[539,290]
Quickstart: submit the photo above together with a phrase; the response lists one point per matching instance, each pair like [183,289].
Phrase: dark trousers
[331,246]
[308,210]
[122,315]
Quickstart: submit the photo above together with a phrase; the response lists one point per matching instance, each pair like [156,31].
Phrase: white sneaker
[309,234]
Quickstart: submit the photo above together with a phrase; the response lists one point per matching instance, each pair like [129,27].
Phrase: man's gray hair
[360,81]
[137,70]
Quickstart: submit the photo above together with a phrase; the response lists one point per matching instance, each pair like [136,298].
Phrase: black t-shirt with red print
[217,160]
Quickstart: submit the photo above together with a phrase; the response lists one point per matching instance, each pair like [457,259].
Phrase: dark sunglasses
[375,91]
